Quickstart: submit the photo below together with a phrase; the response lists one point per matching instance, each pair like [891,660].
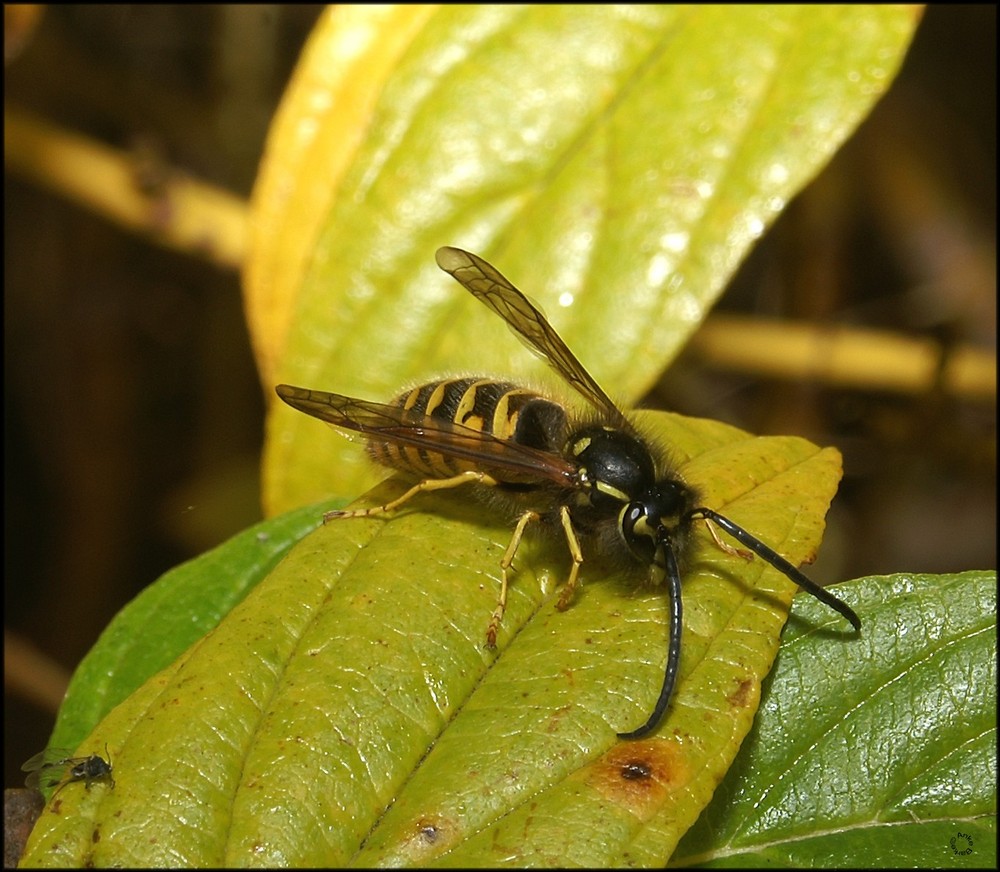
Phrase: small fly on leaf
[54,767]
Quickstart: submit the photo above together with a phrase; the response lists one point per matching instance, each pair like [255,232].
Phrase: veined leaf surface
[615,162]
[871,755]
[346,711]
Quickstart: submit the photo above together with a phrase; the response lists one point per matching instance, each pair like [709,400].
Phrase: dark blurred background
[132,409]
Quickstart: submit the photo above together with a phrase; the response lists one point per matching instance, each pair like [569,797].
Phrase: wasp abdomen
[601,479]
[501,409]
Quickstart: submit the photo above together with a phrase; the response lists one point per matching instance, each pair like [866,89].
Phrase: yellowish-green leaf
[615,162]
[150,632]
[346,711]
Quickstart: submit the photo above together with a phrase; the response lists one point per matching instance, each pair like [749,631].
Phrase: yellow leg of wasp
[428,484]
[574,551]
[508,558]
[725,546]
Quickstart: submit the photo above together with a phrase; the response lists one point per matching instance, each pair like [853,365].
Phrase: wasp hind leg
[428,484]
[574,551]
[508,558]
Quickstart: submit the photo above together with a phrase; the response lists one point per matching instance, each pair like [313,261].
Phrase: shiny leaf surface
[346,711]
[874,754]
[169,616]
[615,162]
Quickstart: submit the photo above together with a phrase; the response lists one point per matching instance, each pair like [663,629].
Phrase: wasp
[599,481]
[54,766]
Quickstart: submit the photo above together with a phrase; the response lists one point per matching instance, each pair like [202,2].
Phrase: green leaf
[615,162]
[346,710]
[875,754]
[169,616]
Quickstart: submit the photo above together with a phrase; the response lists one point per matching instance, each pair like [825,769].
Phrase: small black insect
[598,480]
[54,766]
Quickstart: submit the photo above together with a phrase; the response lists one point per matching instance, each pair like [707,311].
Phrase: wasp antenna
[590,478]
[772,557]
[673,647]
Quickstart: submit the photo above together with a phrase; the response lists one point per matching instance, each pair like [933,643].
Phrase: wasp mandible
[598,479]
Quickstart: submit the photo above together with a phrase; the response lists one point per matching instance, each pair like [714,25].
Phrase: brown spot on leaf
[633,771]
[743,695]
[553,723]
[428,832]
[640,776]
[430,836]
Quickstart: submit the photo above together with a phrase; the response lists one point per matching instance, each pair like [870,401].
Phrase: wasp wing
[47,768]
[486,284]
[48,757]
[409,427]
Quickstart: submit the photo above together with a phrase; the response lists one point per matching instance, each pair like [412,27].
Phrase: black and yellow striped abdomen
[597,479]
[501,409]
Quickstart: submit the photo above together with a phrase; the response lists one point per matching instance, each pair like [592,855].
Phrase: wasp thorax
[598,482]
[616,465]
